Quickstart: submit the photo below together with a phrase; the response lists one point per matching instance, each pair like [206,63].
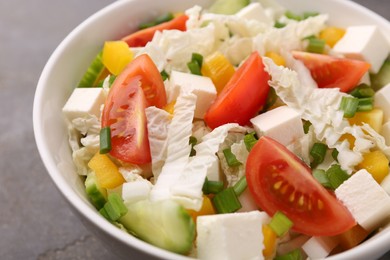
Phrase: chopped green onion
[321,176]
[240,186]
[114,207]
[231,158]
[316,45]
[164,75]
[296,254]
[279,25]
[193,66]
[336,175]
[105,140]
[250,140]
[309,14]
[212,186]
[306,126]
[349,105]
[280,224]
[335,153]
[198,58]
[226,201]
[318,152]
[161,19]
[292,16]
[365,104]
[362,91]
[193,141]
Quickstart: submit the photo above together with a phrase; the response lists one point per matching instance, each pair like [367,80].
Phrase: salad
[242,123]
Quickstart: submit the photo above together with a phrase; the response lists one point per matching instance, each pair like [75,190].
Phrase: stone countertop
[35,221]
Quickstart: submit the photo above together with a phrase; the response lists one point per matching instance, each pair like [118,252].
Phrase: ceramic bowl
[69,61]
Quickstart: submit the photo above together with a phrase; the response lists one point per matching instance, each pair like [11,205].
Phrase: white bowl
[66,67]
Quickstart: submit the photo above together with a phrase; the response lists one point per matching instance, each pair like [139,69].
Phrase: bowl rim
[90,214]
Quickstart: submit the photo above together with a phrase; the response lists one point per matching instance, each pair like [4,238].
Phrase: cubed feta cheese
[382,100]
[319,247]
[386,132]
[84,102]
[364,43]
[282,124]
[201,86]
[367,201]
[254,11]
[232,236]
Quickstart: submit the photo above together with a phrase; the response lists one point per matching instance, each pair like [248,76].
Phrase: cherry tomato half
[279,180]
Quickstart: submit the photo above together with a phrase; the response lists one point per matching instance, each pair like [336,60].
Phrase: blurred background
[35,220]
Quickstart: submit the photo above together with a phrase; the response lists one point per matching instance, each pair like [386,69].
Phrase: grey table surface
[35,220]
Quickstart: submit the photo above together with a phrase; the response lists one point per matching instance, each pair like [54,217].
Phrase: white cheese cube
[364,43]
[382,100]
[367,201]
[385,132]
[84,102]
[283,124]
[201,86]
[254,11]
[232,236]
[319,247]
[135,191]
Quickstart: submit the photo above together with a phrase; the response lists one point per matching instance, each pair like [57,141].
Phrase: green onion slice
[336,175]
[231,158]
[226,201]
[349,105]
[240,186]
[250,140]
[296,254]
[164,75]
[362,91]
[193,141]
[316,45]
[105,140]
[318,152]
[321,176]
[114,207]
[365,104]
[161,19]
[280,224]
[212,186]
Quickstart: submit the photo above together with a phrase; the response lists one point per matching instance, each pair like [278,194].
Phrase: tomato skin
[243,96]
[138,86]
[279,180]
[332,72]
[142,37]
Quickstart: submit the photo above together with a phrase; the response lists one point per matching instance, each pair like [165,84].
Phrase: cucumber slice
[382,78]
[94,73]
[164,224]
[228,6]
[96,194]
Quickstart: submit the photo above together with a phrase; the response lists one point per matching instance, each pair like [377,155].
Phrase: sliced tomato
[332,72]
[138,86]
[280,181]
[150,78]
[242,97]
[142,37]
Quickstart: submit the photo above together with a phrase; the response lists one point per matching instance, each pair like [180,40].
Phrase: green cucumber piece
[382,78]
[228,6]
[96,194]
[92,75]
[165,224]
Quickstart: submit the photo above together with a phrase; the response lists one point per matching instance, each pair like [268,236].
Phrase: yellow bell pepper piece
[376,163]
[107,173]
[206,209]
[277,58]
[332,35]
[116,55]
[219,69]
[269,241]
[374,118]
